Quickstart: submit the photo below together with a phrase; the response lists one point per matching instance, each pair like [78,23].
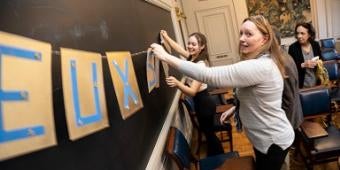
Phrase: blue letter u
[95,117]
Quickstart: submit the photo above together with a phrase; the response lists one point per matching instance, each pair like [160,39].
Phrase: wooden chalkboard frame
[156,156]
[165,4]
[171,6]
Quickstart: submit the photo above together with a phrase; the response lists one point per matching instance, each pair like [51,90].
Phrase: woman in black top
[302,51]
[205,106]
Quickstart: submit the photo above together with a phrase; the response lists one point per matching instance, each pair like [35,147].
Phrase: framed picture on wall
[282,14]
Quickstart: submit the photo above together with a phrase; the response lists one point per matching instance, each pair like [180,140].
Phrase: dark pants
[205,108]
[273,160]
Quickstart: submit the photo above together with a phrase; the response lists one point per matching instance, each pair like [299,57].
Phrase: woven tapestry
[283,14]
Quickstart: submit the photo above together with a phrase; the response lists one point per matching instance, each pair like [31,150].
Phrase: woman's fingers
[226,115]
[171,81]
[159,51]
[163,33]
[222,118]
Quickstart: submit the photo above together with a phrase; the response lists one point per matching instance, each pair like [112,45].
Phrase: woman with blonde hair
[259,80]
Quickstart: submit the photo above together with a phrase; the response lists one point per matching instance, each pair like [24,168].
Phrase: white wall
[326,18]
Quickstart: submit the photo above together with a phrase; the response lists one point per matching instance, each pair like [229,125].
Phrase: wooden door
[217,20]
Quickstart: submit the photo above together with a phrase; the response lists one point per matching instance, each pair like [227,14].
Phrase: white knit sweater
[260,93]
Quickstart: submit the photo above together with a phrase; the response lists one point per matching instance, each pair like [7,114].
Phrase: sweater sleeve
[242,74]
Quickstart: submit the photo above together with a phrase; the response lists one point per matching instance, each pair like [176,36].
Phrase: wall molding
[165,4]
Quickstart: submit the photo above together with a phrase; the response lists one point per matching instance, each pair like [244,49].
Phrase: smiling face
[194,47]
[251,39]
[302,35]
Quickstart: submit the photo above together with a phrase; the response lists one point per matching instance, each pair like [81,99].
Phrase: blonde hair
[271,46]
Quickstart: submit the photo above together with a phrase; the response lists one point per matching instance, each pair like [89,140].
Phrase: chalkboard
[98,26]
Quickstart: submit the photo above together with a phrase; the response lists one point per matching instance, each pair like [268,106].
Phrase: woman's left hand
[227,114]
[310,64]
[164,34]
[172,81]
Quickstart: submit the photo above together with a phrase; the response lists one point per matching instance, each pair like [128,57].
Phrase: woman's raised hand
[159,51]
[164,34]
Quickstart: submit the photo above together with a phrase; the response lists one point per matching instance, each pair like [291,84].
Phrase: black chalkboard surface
[98,26]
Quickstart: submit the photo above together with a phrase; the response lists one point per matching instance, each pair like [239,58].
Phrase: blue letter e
[8,96]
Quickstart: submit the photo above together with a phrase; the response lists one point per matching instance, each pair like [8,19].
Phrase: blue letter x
[127,88]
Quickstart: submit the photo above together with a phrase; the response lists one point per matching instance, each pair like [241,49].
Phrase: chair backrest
[189,103]
[332,68]
[190,106]
[315,102]
[329,54]
[179,150]
[328,43]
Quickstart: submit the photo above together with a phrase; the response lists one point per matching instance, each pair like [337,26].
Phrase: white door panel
[216,19]
[335,22]
[214,23]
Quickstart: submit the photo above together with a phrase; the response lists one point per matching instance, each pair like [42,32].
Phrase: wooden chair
[178,150]
[334,86]
[218,127]
[318,143]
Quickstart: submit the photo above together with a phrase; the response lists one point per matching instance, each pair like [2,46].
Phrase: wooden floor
[240,144]
[244,147]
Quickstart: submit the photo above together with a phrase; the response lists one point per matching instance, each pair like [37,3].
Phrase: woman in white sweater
[259,79]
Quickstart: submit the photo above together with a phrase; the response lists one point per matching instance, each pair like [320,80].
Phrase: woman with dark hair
[205,106]
[302,51]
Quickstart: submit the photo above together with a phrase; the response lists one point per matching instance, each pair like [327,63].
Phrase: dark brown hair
[202,41]
[309,27]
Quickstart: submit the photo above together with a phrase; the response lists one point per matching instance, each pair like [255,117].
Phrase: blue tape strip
[22,53]
[95,117]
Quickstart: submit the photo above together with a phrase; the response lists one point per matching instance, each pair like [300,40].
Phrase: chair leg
[309,167]
[231,140]
[308,163]
[199,140]
[334,106]
[221,136]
